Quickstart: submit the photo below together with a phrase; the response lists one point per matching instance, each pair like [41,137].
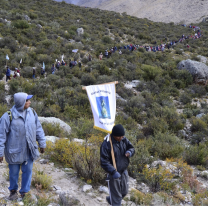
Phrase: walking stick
[112,154]
[108,180]
[114,164]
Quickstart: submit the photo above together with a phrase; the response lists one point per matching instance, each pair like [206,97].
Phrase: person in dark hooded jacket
[19,132]
[118,179]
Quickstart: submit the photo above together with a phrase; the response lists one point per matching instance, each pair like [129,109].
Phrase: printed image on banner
[103,107]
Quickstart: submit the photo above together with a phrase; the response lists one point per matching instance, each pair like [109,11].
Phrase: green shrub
[43,200]
[179,51]
[188,112]
[134,107]
[88,79]
[196,90]
[140,198]
[41,180]
[106,40]
[140,159]
[21,24]
[185,98]
[53,130]
[159,178]
[166,146]
[3,109]
[150,72]
[197,125]
[2,86]
[196,155]
[86,163]
[155,125]
[65,199]
[83,128]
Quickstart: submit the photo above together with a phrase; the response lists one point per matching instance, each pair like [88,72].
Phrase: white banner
[75,50]
[103,103]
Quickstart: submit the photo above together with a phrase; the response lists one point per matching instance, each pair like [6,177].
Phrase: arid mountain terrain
[177,11]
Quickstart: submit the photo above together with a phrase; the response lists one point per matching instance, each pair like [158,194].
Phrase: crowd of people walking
[108,52]
[154,48]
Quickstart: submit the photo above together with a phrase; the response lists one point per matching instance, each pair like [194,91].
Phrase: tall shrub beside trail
[62,151]
[84,158]
[159,178]
[166,146]
[87,161]
[150,72]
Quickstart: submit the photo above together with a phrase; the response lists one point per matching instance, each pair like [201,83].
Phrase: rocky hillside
[156,10]
[162,100]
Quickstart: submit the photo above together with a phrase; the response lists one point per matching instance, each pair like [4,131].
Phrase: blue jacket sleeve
[40,135]
[4,130]
[105,159]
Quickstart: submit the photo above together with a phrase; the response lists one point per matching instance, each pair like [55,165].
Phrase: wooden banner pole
[112,153]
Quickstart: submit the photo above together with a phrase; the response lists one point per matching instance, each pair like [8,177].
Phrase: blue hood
[19,100]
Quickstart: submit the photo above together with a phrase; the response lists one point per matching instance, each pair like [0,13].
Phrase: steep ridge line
[156,10]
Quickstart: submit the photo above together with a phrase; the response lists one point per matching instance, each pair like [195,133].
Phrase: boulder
[81,141]
[199,116]
[80,31]
[57,187]
[182,133]
[8,23]
[135,83]
[53,120]
[104,189]
[132,84]
[39,26]
[51,138]
[202,59]
[119,97]
[86,188]
[198,70]
[27,18]
[205,20]
[44,161]
[143,188]
[132,183]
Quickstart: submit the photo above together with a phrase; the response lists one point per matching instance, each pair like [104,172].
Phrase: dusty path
[65,180]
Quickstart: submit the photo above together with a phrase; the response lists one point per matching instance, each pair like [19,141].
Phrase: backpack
[10,114]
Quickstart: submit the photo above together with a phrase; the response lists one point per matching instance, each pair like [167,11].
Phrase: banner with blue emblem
[102,99]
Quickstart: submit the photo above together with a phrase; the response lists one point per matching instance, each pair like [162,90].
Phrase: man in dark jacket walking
[8,73]
[118,179]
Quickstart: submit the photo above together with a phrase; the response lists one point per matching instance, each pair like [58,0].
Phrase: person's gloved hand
[1,159]
[127,154]
[42,150]
[116,175]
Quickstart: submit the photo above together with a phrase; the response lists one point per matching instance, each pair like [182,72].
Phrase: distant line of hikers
[161,47]
[198,34]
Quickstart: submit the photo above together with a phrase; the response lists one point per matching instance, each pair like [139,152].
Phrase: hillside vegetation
[149,113]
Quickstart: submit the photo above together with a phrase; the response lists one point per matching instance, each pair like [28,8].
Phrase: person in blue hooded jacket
[19,131]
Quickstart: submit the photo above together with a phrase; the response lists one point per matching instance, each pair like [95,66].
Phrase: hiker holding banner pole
[116,149]
[114,158]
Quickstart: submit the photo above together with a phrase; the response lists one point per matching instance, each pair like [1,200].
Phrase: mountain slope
[156,10]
